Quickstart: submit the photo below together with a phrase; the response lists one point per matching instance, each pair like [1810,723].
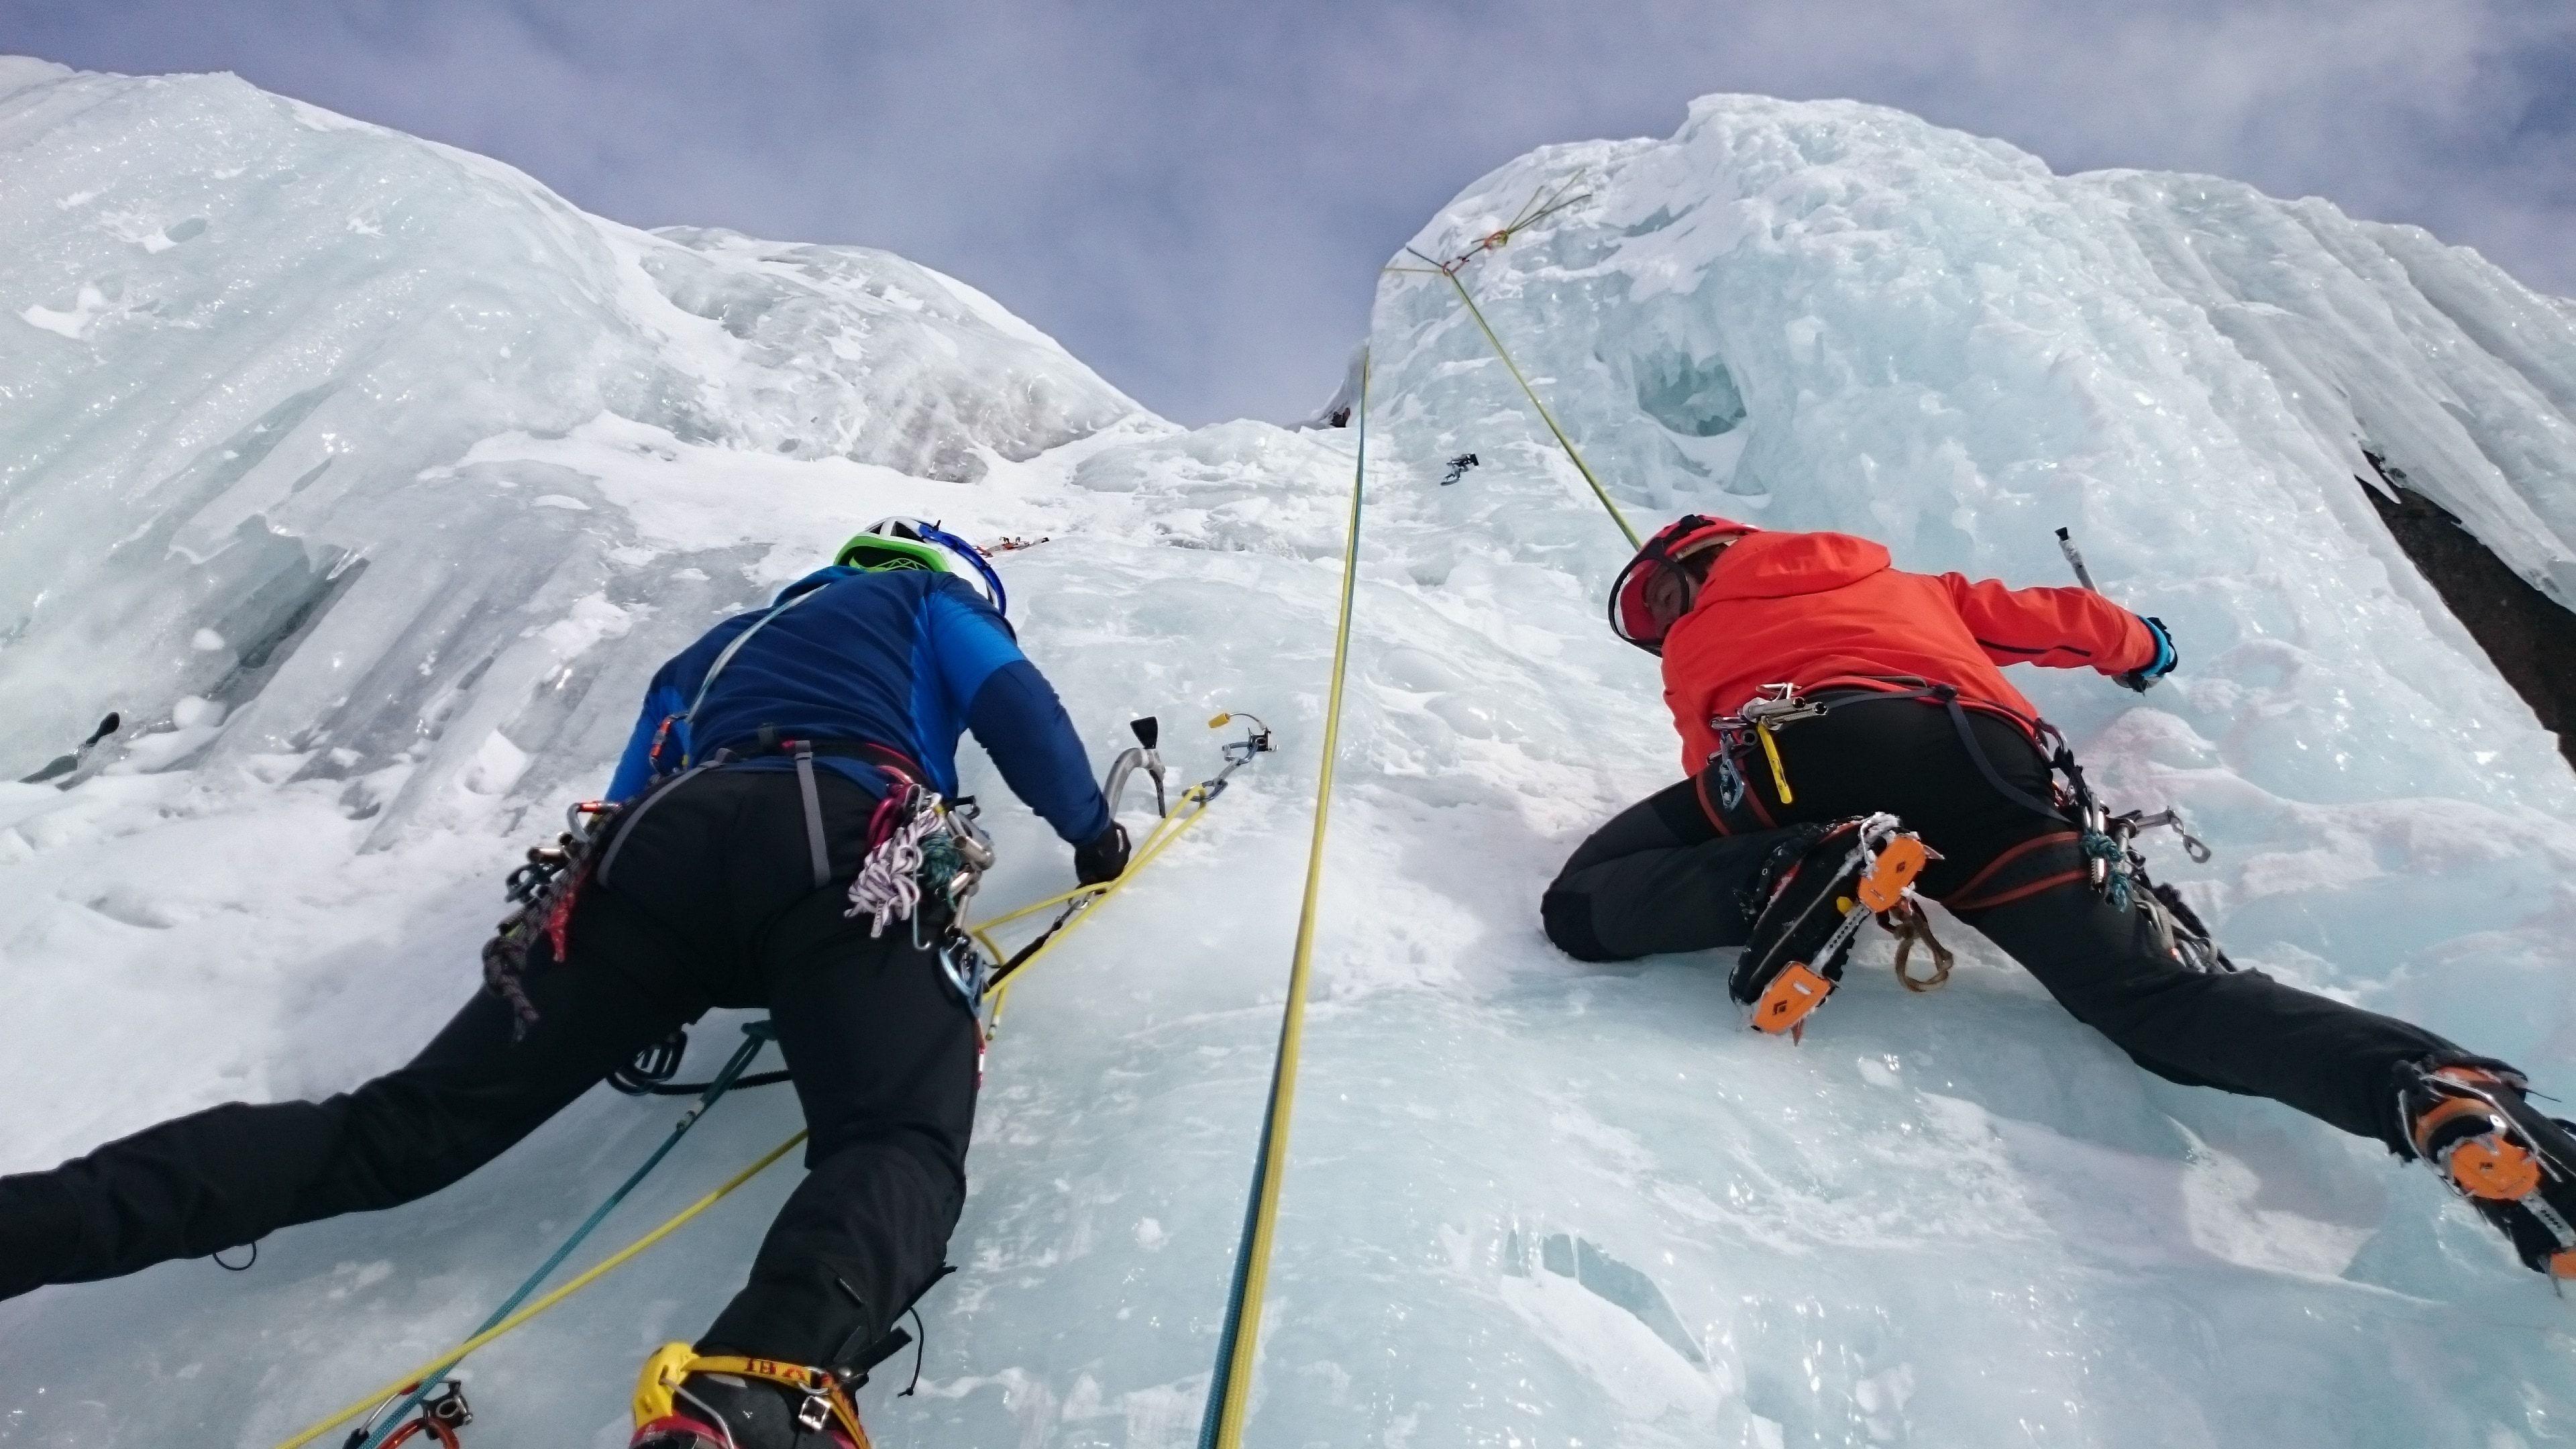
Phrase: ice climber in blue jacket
[783,838]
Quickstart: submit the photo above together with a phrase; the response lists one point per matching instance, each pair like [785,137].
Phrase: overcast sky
[1195,195]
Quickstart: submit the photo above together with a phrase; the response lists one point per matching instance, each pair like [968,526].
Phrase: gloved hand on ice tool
[1849,741]
[784,831]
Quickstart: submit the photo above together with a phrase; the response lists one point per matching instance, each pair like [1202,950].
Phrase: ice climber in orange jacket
[1850,744]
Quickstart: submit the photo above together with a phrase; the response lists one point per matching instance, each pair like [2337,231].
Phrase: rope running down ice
[1494,241]
[1230,1388]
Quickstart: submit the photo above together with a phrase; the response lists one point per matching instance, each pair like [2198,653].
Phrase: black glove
[1104,858]
[2145,675]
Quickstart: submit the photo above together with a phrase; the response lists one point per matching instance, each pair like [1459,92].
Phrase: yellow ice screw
[1220,721]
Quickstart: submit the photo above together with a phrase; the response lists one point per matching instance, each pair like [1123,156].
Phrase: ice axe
[1141,755]
[2084,576]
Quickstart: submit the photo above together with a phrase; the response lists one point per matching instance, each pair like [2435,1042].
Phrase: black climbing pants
[1667,874]
[709,902]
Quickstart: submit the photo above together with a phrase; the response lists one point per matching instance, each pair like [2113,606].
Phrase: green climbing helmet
[892,544]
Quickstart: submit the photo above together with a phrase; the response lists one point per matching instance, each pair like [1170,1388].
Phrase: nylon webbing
[817,850]
[1230,1388]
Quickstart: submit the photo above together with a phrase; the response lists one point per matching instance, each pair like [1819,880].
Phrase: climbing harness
[1531,213]
[2112,864]
[1458,467]
[1230,1386]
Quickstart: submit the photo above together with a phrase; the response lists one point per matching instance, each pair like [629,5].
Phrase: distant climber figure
[774,758]
[1820,691]
[1458,467]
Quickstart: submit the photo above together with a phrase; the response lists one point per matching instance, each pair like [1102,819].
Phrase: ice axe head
[1148,730]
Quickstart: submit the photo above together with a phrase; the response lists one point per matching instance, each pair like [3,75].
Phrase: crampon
[2472,1125]
[1807,905]
[684,1400]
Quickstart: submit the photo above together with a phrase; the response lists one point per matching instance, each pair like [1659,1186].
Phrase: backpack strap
[708,679]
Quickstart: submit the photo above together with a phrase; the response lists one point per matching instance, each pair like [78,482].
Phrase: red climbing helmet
[1658,586]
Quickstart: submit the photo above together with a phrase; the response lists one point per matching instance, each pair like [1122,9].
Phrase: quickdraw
[439,1415]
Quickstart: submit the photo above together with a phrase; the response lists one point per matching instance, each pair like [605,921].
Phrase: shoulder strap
[730,650]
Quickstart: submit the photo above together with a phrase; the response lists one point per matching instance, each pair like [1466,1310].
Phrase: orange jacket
[1820,608]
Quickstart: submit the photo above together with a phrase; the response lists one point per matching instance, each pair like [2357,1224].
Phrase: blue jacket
[906,659]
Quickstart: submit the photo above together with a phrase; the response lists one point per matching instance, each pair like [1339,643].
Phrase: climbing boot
[2472,1125]
[1807,902]
[685,1400]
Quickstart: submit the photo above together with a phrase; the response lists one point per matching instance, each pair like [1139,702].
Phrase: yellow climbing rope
[1528,216]
[608,1265]
[1230,1388]
[1185,813]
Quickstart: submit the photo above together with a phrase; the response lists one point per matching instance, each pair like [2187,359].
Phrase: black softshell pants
[710,902]
[1667,874]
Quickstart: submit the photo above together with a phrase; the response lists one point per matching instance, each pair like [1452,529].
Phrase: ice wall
[1530,1202]
[244,344]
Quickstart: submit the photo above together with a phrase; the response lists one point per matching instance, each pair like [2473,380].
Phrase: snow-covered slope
[459,465]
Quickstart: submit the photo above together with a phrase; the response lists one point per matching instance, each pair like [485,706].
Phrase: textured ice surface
[443,468]
[247,346]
